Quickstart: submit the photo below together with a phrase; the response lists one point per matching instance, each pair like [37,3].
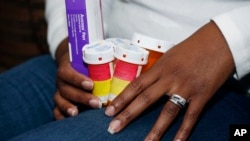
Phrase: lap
[224,109]
[26,102]
[26,96]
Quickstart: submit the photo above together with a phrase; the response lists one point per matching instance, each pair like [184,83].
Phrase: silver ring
[178,100]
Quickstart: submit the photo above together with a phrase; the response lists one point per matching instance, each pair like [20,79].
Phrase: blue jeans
[26,104]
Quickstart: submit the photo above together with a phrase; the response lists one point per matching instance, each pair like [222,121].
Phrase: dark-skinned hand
[73,88]
[194,69]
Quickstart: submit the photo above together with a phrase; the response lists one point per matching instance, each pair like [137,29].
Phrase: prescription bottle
[128,65]
[99,56]
[155,47]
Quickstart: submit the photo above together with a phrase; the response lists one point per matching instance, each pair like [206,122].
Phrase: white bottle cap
[151,43]
[118,41]
[132,54]
[98,52]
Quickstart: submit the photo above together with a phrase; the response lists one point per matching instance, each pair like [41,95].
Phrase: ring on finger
[178,100]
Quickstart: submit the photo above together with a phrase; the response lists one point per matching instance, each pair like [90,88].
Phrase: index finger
[71,76]
[129,93]
[137,106]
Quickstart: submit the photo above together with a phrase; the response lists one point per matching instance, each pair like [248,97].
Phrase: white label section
[94,16]
[70,52]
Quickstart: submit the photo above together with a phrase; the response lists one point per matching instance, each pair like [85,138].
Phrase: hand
[193,69]
[73,87]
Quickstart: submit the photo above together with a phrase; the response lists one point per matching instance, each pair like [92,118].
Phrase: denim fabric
[91,125]
[26,107]
[26,96]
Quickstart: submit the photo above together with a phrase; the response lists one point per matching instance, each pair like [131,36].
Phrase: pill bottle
[128,65]
[155,47]
[99,56]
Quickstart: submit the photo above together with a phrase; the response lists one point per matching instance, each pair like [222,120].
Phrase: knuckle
[75,80]
[136,85]
[191,116]
[57,98]
[81,98]
[145,98]
[56,113]
[68,76]
[185,131]
[61,72]
[126,115]
[170,111]
[156,132]
[63,90]
[120,100]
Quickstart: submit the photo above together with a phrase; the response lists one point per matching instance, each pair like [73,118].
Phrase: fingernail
[113,127]
[72,112]
[110,110]
[111,131]
[87,85]
[95,103]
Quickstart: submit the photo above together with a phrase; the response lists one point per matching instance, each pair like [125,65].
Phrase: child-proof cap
[98,52]
[151,43]
[132,54]
[118,41]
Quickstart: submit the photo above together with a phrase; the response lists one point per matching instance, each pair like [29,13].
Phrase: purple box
[84,19]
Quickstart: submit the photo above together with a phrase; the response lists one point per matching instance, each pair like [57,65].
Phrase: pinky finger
[64,106]
[58,114]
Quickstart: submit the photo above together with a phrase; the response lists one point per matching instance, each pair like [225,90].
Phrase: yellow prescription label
[117,85]
[102,88]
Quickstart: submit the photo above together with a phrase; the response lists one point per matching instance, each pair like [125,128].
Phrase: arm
[55,13]
[235,27]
